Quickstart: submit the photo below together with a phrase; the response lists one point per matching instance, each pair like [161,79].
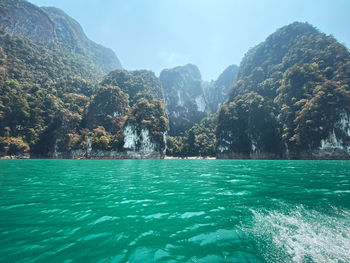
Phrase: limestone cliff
[291,99]
[113,126]
[184,97]
[216,92]
[138,143]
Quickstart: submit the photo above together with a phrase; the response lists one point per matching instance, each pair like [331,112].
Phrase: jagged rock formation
[184,97]
[291,99]
[54,29]
[216,92]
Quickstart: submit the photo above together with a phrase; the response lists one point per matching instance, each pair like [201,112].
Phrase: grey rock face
[140,143]
[216,92]
[184,97]
[70,32]
[27,20]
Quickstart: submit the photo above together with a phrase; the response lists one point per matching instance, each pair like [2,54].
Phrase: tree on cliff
[295,87]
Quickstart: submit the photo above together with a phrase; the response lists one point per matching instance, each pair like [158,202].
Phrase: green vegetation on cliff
[39,87]
[51,104]
[292,92]
[137,84]
[197,141]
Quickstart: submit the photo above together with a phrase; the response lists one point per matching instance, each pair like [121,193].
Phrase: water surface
[174,211]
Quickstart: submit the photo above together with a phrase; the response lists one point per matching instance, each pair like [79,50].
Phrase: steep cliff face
[138,143]
[70,33]
[24,19]
[184,97]
[291,99]
[54,29]
[216,92]
[337,144]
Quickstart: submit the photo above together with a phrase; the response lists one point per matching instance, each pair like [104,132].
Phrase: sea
[174,211]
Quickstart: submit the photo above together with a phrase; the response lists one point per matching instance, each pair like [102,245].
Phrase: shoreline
[8,157]
[190,157]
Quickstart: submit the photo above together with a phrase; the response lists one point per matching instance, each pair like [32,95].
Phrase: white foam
[303,235]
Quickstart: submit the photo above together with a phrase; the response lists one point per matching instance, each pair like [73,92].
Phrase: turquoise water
[174,211]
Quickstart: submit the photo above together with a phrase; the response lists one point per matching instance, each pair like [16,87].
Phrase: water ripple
[174,211]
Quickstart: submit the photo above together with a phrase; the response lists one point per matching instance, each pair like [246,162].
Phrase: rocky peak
[184,97]
[185,78]
[49,25]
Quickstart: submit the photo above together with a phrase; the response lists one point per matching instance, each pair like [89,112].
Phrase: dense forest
[64,96]
[291,99]
[39,86]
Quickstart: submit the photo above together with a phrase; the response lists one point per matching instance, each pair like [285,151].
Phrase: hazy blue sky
[212,34]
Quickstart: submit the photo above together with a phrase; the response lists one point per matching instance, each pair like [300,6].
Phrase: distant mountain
[291,99]
[216,92]
[184,97]
[54,29]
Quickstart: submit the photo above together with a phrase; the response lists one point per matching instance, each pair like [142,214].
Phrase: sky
[211,34]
